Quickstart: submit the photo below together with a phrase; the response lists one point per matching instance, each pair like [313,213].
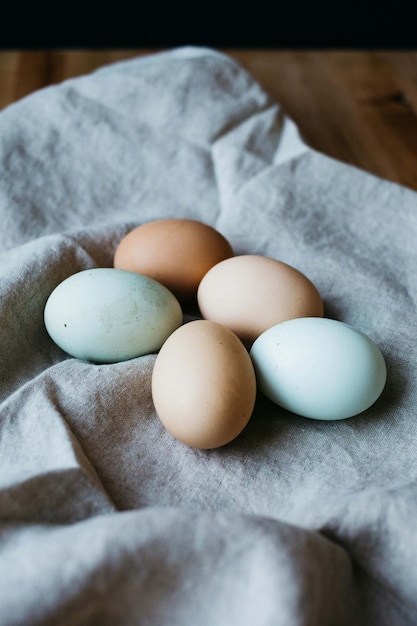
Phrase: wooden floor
[357,106]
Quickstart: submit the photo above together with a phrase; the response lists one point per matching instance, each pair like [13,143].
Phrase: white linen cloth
[104,517]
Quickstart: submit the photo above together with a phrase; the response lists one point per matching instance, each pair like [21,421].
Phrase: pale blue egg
[319,368]
[106,315]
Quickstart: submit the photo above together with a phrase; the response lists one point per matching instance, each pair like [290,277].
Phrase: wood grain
[356,106]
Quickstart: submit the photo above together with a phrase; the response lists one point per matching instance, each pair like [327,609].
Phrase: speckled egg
[106,315]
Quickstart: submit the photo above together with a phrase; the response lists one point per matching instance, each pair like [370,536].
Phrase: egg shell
[106,315]
[176,252]
[204,385]
[251,293]
[319,368]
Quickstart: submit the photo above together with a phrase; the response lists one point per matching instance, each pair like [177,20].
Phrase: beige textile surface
[105,518]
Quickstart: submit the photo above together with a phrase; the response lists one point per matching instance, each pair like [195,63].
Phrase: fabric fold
[176,567]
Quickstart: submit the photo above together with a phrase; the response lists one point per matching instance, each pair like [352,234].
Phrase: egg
[319,368]
[251,293]
[203,385]
[176,252]
[106,315]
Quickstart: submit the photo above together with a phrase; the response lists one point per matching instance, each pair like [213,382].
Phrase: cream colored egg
[251,293]
[204,385]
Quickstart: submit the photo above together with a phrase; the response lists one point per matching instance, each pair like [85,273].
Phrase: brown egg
[175,252]
[251,293]
[204,385]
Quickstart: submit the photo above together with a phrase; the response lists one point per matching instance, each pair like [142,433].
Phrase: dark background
[29,24]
